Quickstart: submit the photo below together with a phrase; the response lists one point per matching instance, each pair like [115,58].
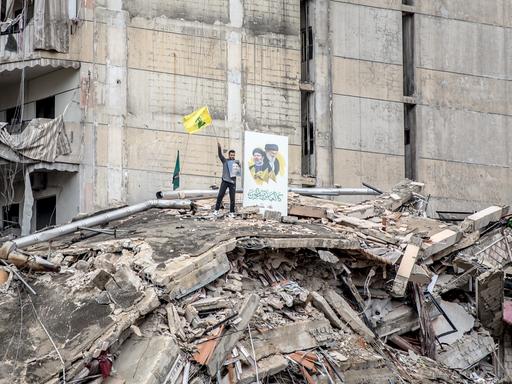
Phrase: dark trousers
[232,193]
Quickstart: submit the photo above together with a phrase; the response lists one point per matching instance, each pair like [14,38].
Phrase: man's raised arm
[221,156]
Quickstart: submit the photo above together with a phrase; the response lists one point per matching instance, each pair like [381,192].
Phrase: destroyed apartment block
[367,293]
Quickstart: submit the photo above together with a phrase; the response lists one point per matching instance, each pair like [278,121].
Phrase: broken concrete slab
[229,340]
[406,266]
[321,304]
[460,318]
[328,257]
[420,275]
[272,215]
[440,241]
[146,360]
[149,302]
[100,278]
[174,321]
[467,351]
[482,218]
[125,287]
[361,211]
[268,366]
[297,336]
[307,211]
[211,303]
[198,278]
[71,315]
[401,319]
[489,300]
[354,222]
[348,315]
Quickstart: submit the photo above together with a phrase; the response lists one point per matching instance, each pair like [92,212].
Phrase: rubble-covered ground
[334,293]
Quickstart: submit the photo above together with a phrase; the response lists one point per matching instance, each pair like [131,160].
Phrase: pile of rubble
[335,293]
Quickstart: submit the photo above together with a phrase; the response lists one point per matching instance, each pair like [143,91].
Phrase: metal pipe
[65,229]
[333,191]
[191,194]
[374,188]
[207,193]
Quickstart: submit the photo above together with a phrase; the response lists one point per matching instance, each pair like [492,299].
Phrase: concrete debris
[440,241]
[348,315]
[328,257]
[460,319]
[267,366]
[467,351]
[328,294]
[137,366]
[233,333]
[406,266]
[296,336]
[482,219]
[321,304]
[489,300]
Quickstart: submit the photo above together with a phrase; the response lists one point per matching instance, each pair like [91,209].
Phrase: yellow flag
[197,120]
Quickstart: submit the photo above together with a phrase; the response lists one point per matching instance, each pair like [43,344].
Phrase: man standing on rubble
[230,170]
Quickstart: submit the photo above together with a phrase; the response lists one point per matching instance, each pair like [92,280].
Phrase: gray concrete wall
[463,89]
[144,65]
[152,64]
[464,106]
[367,111]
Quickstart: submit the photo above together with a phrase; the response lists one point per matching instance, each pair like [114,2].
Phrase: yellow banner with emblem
[197,120]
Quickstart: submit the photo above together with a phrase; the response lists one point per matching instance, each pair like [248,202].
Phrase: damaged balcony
[40,117]
[40,135]
[33,30]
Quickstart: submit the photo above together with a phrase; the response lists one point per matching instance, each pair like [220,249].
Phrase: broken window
[13,115]
[11,216]
[46,108]
[46,209]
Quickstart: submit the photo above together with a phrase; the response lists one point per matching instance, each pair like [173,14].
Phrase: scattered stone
[290,219]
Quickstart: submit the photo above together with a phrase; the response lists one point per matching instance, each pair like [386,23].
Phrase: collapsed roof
[339,293]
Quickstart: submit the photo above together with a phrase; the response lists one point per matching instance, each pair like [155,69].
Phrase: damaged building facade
[366,90]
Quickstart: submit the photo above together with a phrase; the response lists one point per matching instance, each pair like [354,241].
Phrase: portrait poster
[266,172]
[234,168]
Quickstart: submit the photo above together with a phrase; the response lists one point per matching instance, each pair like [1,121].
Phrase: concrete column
[323,95]
[116,83]
[28,204]
[234,70]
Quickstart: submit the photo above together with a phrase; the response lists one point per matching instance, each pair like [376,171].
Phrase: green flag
[176,174]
